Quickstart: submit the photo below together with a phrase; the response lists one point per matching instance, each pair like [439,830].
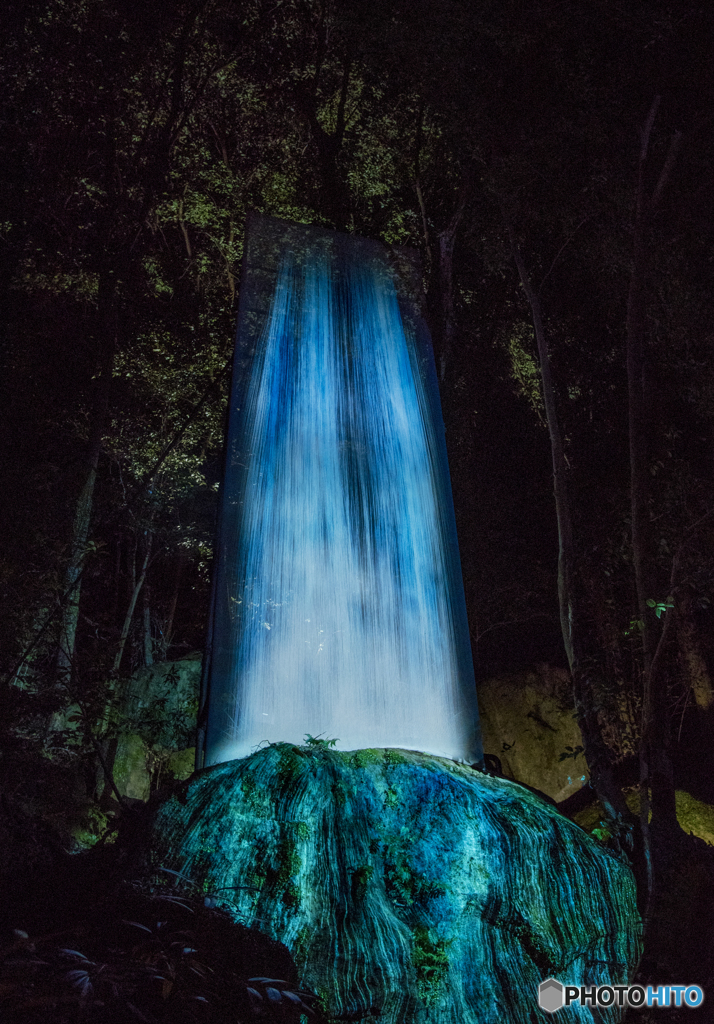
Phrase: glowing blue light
[338,603]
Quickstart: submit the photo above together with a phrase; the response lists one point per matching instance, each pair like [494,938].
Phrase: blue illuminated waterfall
[338,606]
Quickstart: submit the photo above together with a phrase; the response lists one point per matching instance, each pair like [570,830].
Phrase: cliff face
[407,887]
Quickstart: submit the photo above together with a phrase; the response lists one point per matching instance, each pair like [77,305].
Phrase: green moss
[535,947]
[301,830]
[393,757]
[289,861]
[301,947]
[291,764]
[360,880]
[364,758]
[255,878]
[181,763]
[404,886]
[694,816]
[339,792]
[291,895]
[248,784]
[431,964]
[391,797]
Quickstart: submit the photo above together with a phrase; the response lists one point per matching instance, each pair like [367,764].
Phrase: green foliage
[602,831]
[660,607]
[525,367]
[317,743]
[96,827]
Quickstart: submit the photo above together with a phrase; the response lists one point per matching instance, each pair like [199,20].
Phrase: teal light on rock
[338,606]
[406,885]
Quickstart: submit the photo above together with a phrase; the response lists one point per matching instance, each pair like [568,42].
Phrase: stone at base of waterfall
[408,888]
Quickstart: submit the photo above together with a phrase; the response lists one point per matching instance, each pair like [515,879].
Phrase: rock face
[528,722]
[409,889]
[158,717]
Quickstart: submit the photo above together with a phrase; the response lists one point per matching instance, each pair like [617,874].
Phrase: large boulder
[408,888]
[528,722]
[157,717]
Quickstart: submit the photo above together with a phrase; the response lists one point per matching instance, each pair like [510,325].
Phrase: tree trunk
[148,647]
[335,196]
[447,240]
[690,652]
[167,633]
[583,658]
[83,510]
[138,584]
[446,282]
[656,774]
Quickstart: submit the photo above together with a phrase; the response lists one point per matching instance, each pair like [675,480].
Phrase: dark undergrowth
[83,939]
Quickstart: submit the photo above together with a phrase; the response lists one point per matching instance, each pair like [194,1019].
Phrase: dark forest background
[551,160]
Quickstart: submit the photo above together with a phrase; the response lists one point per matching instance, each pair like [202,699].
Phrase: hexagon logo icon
[550,995]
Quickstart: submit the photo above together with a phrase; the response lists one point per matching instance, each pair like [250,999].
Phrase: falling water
[338,606]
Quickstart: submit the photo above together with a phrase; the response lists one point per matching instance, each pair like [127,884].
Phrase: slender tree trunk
[446,282]
[83,509]
[148,647]
[639,470]
[417,186]
[447,240]
[582,658]
[169,624]
[138,584]
[690,652]
[656,774]
[107,748]
[334,190]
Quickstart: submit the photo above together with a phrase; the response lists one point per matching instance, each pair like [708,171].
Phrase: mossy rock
[695,817]
[406,886]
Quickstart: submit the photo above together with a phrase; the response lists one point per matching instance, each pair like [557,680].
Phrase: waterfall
[338,606]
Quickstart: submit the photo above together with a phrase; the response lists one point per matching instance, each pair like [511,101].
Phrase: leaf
[177,874]
[298,1001]
[199,969]
[177,900]
[137,1013]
